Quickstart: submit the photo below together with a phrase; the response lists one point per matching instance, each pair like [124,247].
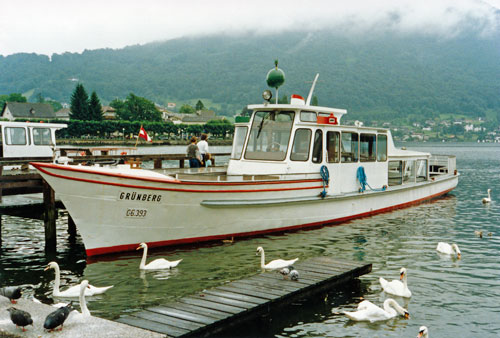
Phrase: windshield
[269,135]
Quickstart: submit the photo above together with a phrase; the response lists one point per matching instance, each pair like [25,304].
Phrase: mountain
[377,75]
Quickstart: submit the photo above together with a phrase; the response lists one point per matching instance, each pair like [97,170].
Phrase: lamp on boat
[267,95]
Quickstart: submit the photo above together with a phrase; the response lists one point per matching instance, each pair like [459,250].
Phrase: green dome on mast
[275,77]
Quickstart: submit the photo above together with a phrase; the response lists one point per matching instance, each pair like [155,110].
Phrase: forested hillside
[370,76]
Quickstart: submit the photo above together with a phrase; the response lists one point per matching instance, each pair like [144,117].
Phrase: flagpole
[137,141]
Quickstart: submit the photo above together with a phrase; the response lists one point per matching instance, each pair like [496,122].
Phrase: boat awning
[407,154]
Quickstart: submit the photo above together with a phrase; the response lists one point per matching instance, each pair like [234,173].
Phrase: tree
[136,108]
[95,108]
[199,105]
[283,100]
[79,108]
[186,109]
[314,101]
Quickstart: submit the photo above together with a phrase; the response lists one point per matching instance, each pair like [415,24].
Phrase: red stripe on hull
[131,247]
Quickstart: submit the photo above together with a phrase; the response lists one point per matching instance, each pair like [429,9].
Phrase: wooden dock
[215,310]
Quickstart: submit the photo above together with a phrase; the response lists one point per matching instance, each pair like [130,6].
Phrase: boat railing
[442,164]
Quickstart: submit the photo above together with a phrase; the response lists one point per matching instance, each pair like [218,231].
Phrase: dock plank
[210,312]
[182,314]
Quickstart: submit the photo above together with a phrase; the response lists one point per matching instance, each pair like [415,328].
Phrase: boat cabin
[28,139]
[296,139]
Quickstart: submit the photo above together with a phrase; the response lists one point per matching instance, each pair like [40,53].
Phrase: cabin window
[301,145]
[409,171]
[421,170]
[395,173]
[349,152]
[308,116]
[317,156]
[367,147]
[269,135]
[240,133]
[332,146]
[381,147]
[15,136]
[41,136]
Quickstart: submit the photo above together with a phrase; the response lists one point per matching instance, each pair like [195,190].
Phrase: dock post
[0,229]
[181,163]
[157,163]
[71,226]
[49,217]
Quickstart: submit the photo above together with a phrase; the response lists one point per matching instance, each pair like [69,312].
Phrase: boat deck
[215,310]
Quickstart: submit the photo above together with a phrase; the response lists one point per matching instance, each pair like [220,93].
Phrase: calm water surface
[451,297]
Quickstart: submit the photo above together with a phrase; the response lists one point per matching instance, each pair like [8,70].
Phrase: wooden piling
[157,163]
[49,217]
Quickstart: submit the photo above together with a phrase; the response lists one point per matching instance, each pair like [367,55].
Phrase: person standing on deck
[203,146]
[193,153]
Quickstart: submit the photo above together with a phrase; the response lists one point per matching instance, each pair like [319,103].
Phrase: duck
[367,311]
[449,249]
[57,318]
[20,318]
[487,199]
[423,332]
[478,233]
[157,264]
[83,304]
[72,291]
[11,292]
[228,241]
[396,287]
[275,264]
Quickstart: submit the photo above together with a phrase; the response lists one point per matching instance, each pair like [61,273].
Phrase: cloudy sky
[57,26]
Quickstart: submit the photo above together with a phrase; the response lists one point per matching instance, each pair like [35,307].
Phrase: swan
[487,199]
[448,249]
[396,287]
[423,332]
[72,291]
[273,265]
[83,304]
[157,264]
[367,311]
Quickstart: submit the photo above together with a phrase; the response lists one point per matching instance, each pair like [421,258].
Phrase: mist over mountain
[372,75]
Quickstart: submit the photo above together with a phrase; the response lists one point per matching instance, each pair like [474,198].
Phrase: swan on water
[367,311]
[275,264]
[423,332]
[396,287]
[72,291]
[157,264]
[487,199]
[448,249]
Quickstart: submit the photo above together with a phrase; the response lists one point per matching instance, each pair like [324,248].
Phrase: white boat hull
[114,213]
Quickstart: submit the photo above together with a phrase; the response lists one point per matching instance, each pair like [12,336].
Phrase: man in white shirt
[203,146]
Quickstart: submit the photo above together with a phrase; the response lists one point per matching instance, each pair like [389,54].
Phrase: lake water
[451,297]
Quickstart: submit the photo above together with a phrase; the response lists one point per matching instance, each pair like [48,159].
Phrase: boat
[292,166]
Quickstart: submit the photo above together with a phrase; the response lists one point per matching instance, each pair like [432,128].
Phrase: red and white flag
[144,135]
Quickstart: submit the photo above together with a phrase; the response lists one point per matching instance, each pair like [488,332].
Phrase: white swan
[83,304]
[72,291]
[273,265]
[423,332]
[367,311]
[396,287]
[157,264]
[487,199]
[448,249]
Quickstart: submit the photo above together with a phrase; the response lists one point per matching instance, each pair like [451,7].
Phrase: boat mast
[309,97]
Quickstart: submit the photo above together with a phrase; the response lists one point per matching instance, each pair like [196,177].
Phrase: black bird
[20,318]
[57,318]
[11,292]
